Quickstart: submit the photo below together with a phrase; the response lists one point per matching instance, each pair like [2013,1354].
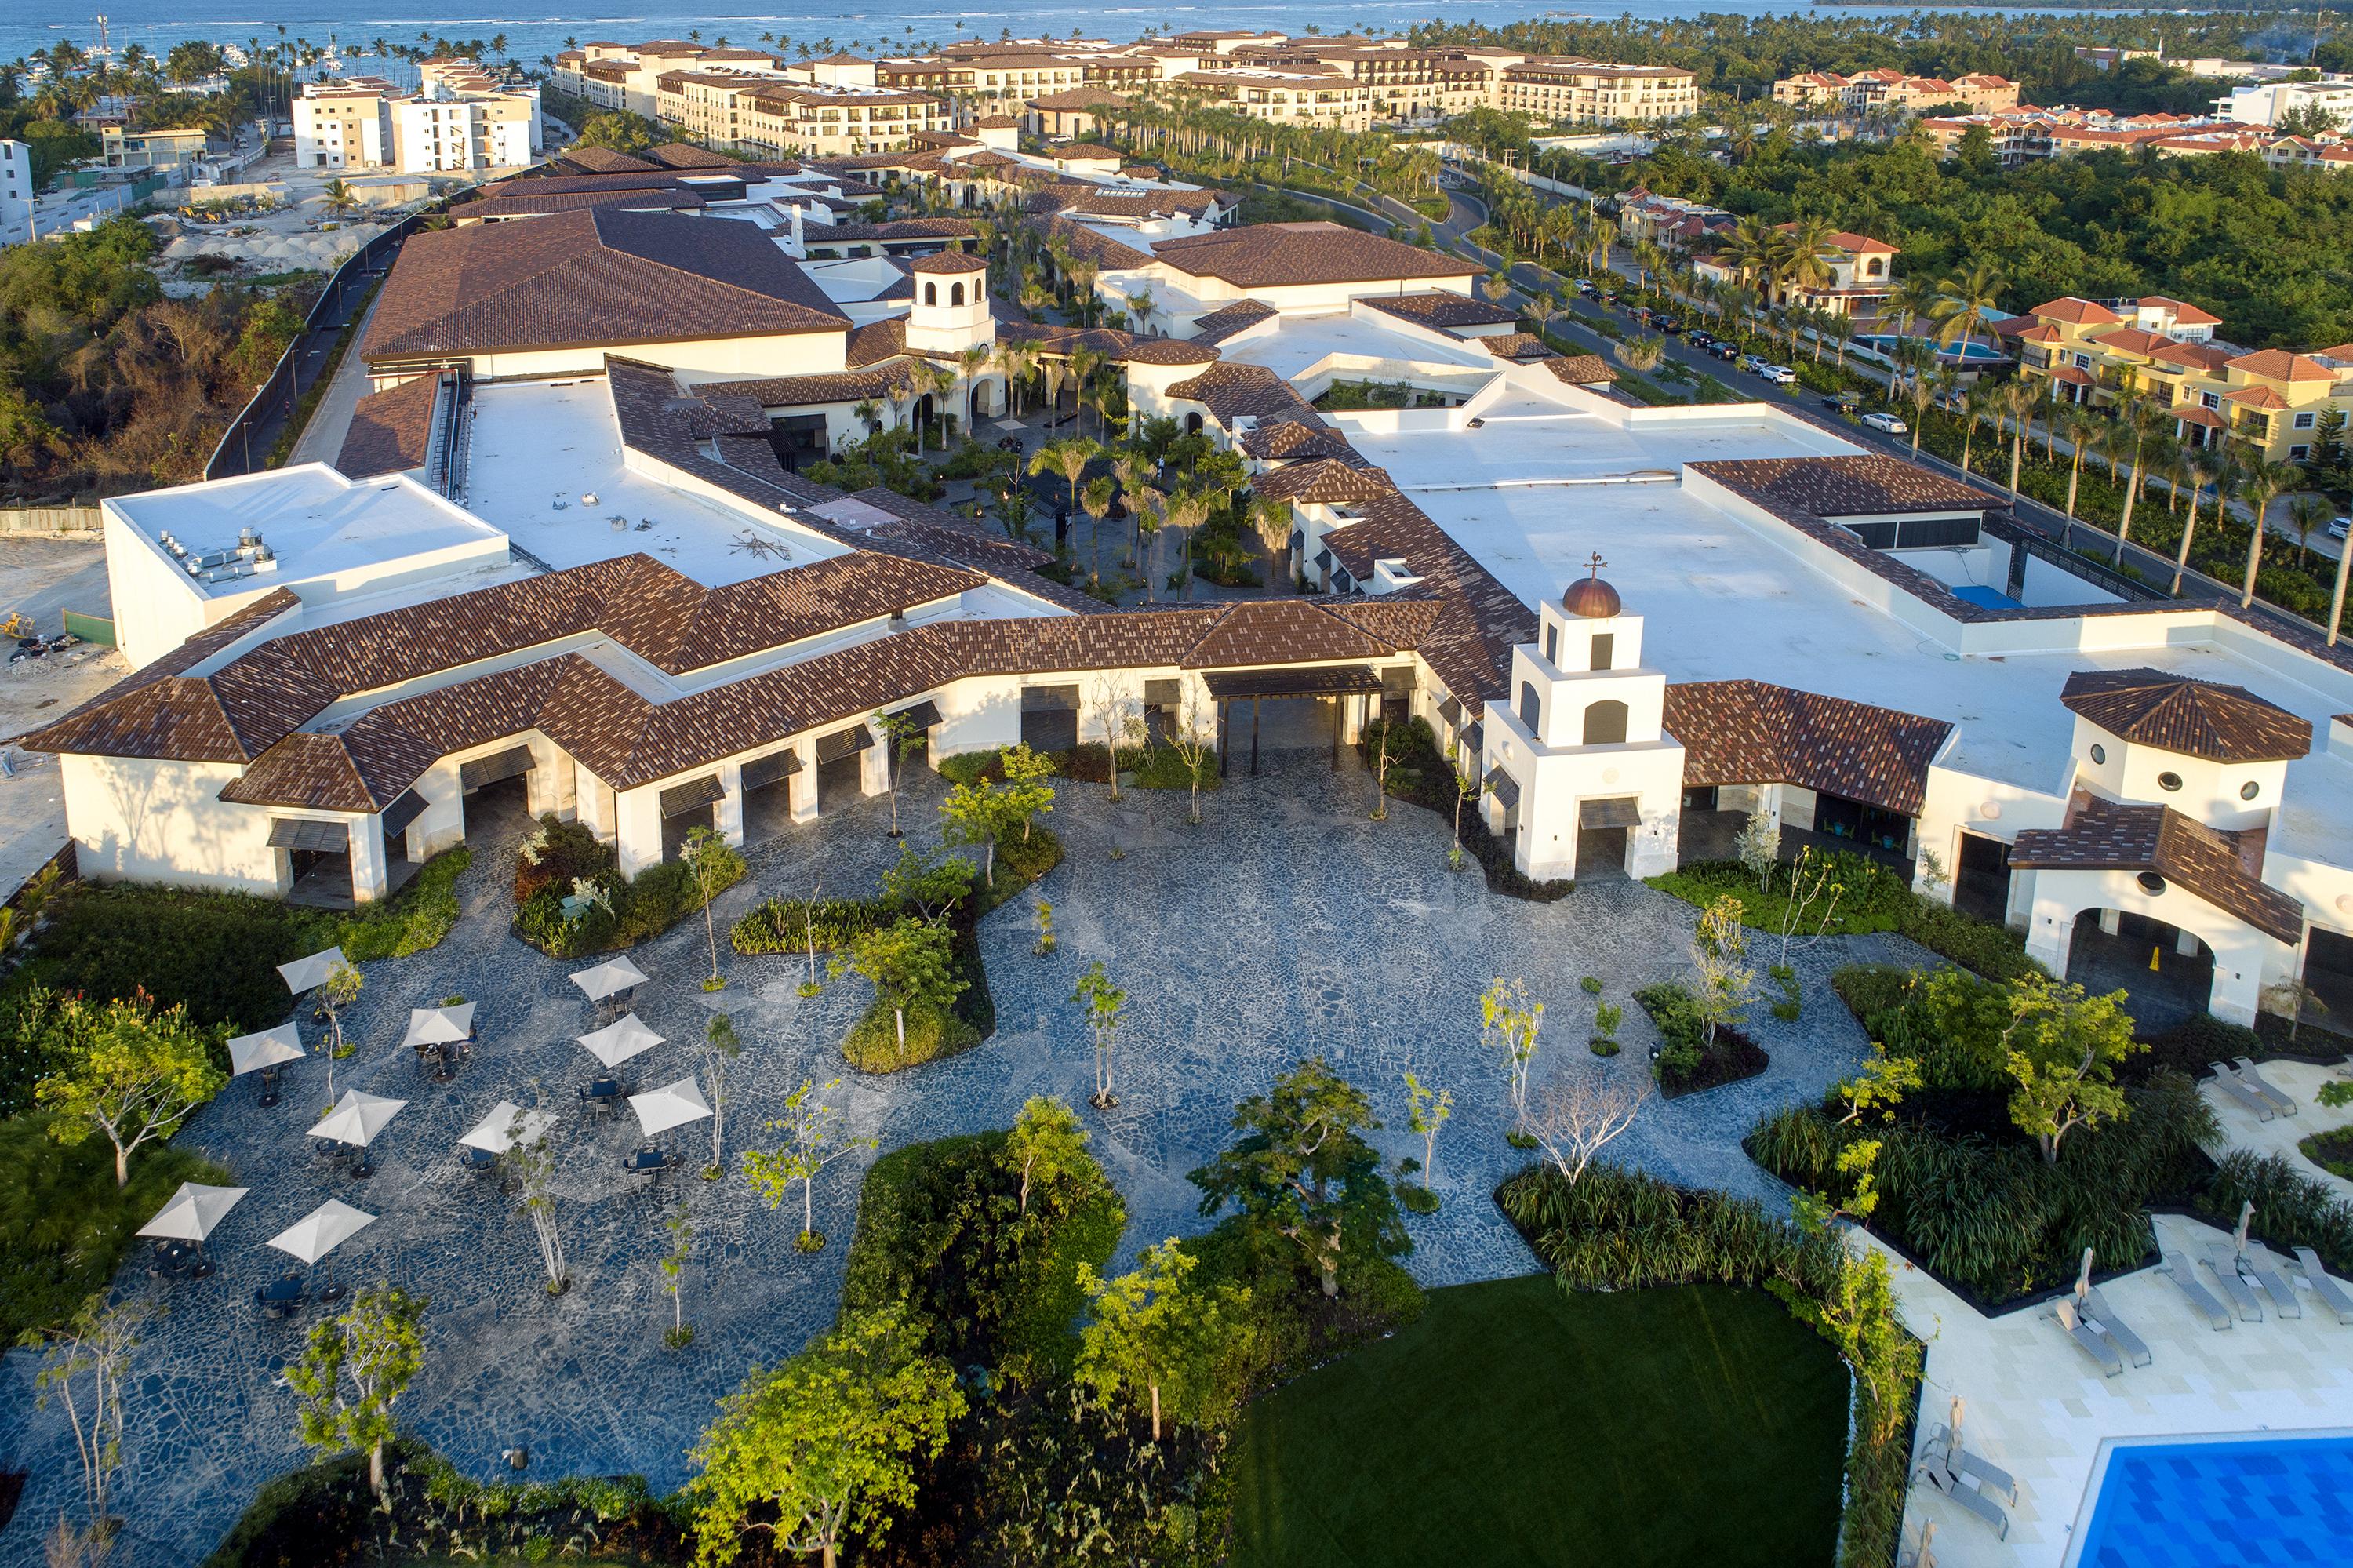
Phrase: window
[1605,647]
[956,293]
[1552,645]
[2298,452]
[2303,422]
[2150,881]
[2250,789]
[2099,753]
[2168,782]
[1530,708]
[1605,724]
[930,293]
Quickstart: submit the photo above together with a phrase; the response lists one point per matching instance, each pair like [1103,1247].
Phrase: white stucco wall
[138,821]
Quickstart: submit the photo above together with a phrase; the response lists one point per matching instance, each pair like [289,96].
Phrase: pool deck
[2300,1081]
[2039,1408]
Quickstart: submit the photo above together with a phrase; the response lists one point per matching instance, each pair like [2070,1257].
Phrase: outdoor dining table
[602,1095]
[648,1161]
[281,1295]
[179,1259]
[268,1087]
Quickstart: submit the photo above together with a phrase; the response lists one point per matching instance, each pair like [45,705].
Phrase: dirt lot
[42,578]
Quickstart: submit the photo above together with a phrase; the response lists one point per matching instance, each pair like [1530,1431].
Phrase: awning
[403,811]
[512,763]
[1297,681]
[922,715]
[1471,739]
[1617,811]
[325,838]
[1396,681]
[1504,786]
[1163,693]
[761,772]
[843,742]
[680,799]
[1049,699]
[1451,712]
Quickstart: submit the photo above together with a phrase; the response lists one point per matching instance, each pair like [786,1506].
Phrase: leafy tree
[1508,1022]
[680,1226]
[925,885]
[1183,1347]
[619,130]
[1727,982]
[715,866]
[975,814]
[336,992]
[1302,1170]
[126,1070]
[902,738]
[1026,792]
[824,1444]
[355,1368]
[911,963]
[721,1046]
[2062,1049]
[813,1140]
[1047,1145]
[1106,1005]
[1427,1111]
[89,1373]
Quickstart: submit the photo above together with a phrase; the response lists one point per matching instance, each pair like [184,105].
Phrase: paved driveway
[1287,924]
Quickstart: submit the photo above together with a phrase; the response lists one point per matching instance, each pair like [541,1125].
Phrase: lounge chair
[2332,1295]
[2176,1268]
[2284,1103]
[2088,1338]
[2277,1285]
[2121,1337]
[1989,1476]
[1949,1483]
[2224,1262]
[2230,1084]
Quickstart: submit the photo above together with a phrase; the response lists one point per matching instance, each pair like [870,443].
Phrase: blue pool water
[1978,354]
[2227,1504]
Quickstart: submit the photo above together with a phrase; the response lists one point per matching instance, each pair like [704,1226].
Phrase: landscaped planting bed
[1688,1062]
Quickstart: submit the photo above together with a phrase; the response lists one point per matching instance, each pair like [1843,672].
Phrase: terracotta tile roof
[323,773]
[2196,718]
[1226,320]
[160,710]
[1168,351]
[897,228]
[507,206]
[2082,312]
[2279,365]
[2184,314]
[389,429]
[835,386]
[1272,255]
[1097,202]
[1086,244]
[1443,310]
[876,342]
[1749,732]
[602,161]
[2261,397]
[1324,480]
[1524,347]
[685,155]
[2131,340]
[1233,391]
[1855,486]
[1582,370]
[2203,355]
[1079,98]
[1295,436]
[603,276]
[997,122]
[947,261]
[2105,835]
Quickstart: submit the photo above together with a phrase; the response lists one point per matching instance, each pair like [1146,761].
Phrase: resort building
[458,121]
[1589,92]
[2161,354]
[1885,91]
[1859,274]
[2025,134]
[2268,103]
[565,555]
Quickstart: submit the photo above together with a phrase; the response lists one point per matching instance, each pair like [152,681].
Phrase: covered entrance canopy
[1340,681]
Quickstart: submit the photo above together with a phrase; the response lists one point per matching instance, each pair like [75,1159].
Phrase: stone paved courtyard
[1287,924]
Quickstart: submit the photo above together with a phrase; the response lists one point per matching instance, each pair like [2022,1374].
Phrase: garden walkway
[1286,925]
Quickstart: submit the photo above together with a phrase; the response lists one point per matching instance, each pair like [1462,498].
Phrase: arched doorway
[2167,973]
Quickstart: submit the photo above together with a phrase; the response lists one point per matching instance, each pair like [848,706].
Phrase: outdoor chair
[1949,1483]
[2284,1103]
[1989,1476]
[2096,1308]
[2332,1295]
[2228,1083]
[2176,1267]
[2088,1338]
[2224,1262]
[2275,1285]
[477,1160]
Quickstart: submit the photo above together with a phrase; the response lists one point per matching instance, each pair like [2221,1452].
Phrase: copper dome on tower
[1589,596]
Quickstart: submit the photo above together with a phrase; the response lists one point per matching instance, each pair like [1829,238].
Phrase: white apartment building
[16,193]
[343,125]
[2268,103]
[459,121]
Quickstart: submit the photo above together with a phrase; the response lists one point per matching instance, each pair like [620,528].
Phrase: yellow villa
[2162,353]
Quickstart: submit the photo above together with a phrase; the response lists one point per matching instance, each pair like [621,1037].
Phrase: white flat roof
[318,524]
[539,443]
[1722,598]
[1300,342]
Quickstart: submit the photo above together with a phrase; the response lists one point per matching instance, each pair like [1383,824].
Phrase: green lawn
[1512,1423]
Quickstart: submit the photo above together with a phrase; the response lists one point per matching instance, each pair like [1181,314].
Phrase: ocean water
[533,31]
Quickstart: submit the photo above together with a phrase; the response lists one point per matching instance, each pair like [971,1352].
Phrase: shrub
[1870,898]
[415,917]
[2194,1043]
[872,1043]
[2332,1151]
[562,856]
[1420,773]
[1686,1063]
[789,925]
[2291,1209]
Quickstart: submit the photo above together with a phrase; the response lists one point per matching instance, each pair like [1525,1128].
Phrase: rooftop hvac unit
[211,558]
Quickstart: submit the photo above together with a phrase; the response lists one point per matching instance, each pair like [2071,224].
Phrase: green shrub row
[1420,773]
[2293,1209]
[625,911]
[1687,1063]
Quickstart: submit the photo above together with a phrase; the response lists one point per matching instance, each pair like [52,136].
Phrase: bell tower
[951,310]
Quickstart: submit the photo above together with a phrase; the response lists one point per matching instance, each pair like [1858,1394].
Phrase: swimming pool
[1977,353]
[2218,1503]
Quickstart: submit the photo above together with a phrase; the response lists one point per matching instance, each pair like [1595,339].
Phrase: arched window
[1878,268]
[930,293]
[1605,724]
[1192,424]
[1531,707]
[956,293]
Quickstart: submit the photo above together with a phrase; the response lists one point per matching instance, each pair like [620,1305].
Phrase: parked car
[1723,349]
[1670,326]
[2339,526]
[1642,314]
[1778,375]
[1585,286]
[1889,425]
[1754,363]
[1841,402]
[1700,337]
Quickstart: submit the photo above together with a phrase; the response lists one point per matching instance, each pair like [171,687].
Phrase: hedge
[564,856]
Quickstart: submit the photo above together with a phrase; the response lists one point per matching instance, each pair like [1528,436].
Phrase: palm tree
[2138,421]
[1096,499]
[2337,595]
[1085,363]
[1272,519]
[1927,385]
[1185,510]
[1540,309]
[1961,302]
[1638,355]
[1977,403]
[2198,476]
[2083,428]
[2018,400]
[2305,513]
[1143,506]
[2261,485]
[1067,458]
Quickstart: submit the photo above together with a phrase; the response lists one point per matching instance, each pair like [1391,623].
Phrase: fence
[95,628]
[50,520]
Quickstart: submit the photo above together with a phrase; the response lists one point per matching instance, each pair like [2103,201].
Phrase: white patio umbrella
[2239,1231]
[672,1104]
[193,1212]
[319,1232]
[269,1048]
[607,978]
[303,974]
[440,1025]
[619,1040]
[2083,1276]
[497,1131]
[357,1117]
